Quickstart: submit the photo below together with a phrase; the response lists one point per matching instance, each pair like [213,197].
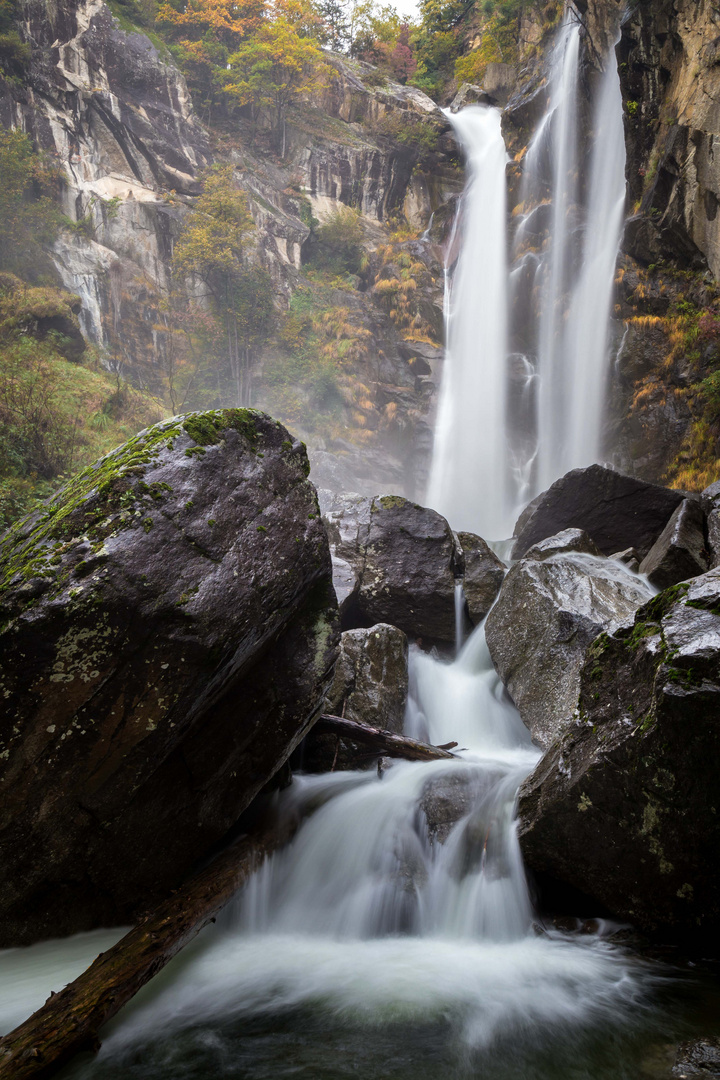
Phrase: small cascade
[401,904]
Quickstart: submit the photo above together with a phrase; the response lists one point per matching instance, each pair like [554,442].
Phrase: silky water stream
[369,948]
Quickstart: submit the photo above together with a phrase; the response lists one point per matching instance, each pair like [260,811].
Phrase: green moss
[102,499]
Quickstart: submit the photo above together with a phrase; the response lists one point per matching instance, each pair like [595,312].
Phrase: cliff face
[114,109]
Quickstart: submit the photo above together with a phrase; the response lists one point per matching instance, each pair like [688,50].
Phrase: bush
[339,243]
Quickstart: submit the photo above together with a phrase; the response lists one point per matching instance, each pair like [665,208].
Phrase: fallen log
[70,1020]
[385,743]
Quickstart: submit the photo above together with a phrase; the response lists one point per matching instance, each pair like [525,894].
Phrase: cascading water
[470,456]
[368,922]
[519,407]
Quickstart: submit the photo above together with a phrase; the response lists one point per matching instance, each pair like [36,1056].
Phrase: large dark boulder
[624,806]
[616,511]
[679,552]
[552,605]
[167,634]
[397,562]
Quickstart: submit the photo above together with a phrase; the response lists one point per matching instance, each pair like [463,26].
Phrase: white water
[516,414]
[470,455]
[364,919]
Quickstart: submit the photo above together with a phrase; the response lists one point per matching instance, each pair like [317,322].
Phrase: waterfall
[527,358]
[400,905]
[469,463]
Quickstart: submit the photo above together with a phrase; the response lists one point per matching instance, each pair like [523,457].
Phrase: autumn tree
[204,33]
[211,250]
[274,68]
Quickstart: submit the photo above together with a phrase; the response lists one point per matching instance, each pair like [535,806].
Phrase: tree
[337,30]
[211,249]
[204,33]
[273,69]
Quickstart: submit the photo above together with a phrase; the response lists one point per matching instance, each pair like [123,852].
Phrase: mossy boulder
[167,634]
[625,804]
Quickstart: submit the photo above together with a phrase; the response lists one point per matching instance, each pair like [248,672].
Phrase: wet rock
[446,799]
[624,805]
[679,552]
[552,605]
[629,557]
[701,1057]
[370,686]
[711,503]
[404,558]
[617,511]
[483,574]
[167,635]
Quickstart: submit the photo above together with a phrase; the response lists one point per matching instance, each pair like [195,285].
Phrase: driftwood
[70,1020]
[382,742]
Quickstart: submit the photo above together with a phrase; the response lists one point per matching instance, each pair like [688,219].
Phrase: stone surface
[616,511]
[624,805]
[482,576]
[701,1057]
[679,552]
[370,686]
[552,605]
[405,562]
[167,635]
[448,798]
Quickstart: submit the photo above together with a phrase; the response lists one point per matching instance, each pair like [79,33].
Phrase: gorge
[537,901]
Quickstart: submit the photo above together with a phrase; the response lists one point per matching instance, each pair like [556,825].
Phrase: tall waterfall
[523,393]
[467,480]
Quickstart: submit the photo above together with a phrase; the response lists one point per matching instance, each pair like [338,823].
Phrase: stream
[369,948]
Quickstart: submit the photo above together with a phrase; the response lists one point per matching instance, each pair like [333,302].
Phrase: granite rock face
[552,605]
[168,631]
[679,552]
[624,804]
[616,511]
[397,562]
[370,686]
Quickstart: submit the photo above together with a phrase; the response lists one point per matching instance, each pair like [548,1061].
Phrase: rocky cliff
[112,106]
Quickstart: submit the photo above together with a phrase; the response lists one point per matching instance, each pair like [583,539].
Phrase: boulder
[448,798]
[167,635]
[482,575]
[624,805]
[710,499]
[617,511]
[370,686]
[404,559]
[679,552]
[397,562]
[552,604]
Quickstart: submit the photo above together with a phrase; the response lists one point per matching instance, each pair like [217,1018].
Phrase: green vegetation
[14,53]
[56,414]
[29,214]
[211,355]
[339,244]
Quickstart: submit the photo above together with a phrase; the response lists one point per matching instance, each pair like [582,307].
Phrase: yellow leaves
[214,232]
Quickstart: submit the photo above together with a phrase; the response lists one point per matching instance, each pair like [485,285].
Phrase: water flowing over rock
[168,634]
[679,552]
[616,511]
[623,806]
[552,605]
